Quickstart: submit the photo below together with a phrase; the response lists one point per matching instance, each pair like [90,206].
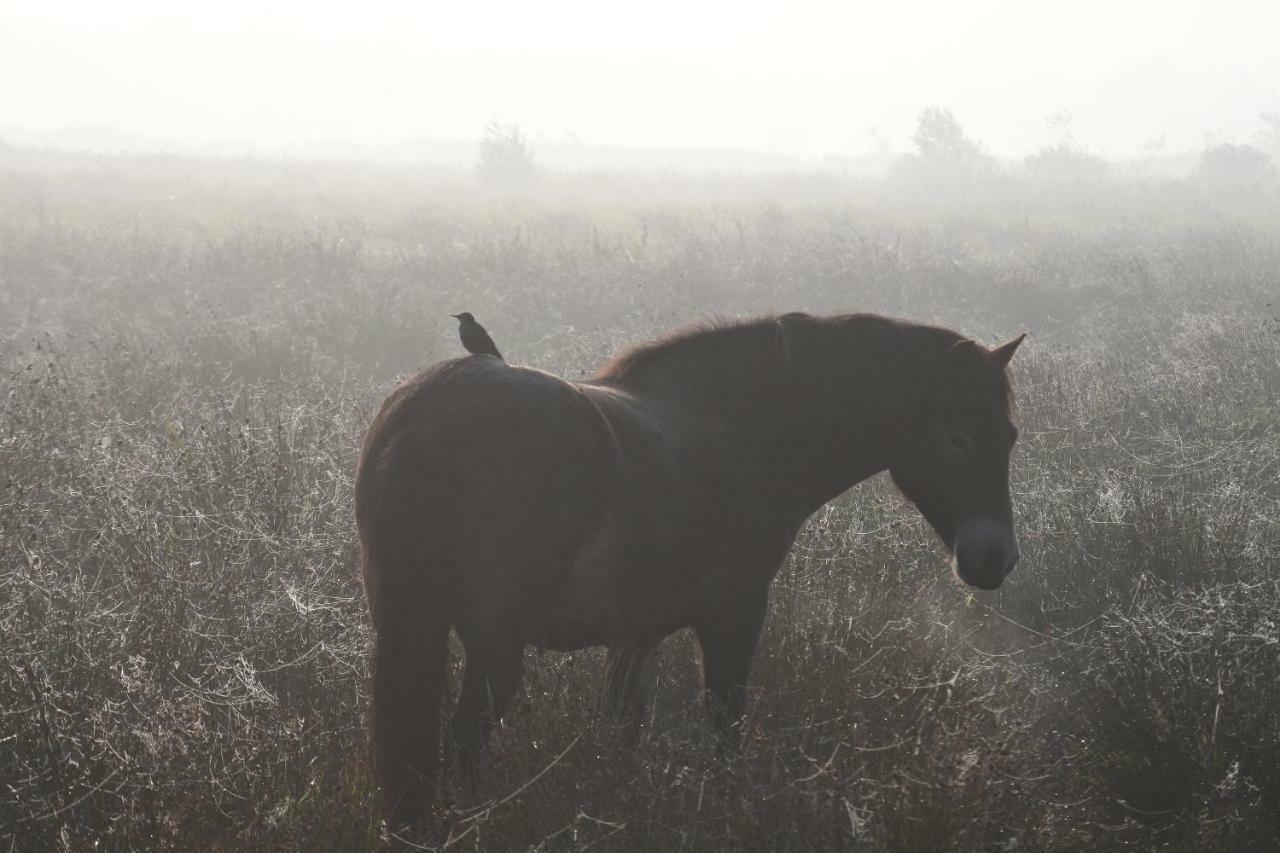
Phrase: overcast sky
[800,78]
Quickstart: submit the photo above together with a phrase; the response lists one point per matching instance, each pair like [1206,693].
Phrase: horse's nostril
[971,550]
[985,552]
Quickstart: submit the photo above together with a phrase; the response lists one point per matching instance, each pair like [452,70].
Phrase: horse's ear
[961,358]
[964,352]
[1003,354]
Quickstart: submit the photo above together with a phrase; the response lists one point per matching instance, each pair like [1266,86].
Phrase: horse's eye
[961,442]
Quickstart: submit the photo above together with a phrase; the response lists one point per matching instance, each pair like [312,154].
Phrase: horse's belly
[585,612]
[615,594]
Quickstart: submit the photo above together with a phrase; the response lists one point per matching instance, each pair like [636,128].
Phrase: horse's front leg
[728,634]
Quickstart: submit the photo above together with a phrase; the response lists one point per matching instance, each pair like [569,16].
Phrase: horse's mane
[718,335]
[682,340]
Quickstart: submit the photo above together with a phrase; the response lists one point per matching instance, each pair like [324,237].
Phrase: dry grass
[182,631]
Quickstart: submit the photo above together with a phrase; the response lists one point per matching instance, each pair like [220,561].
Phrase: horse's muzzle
[985,551]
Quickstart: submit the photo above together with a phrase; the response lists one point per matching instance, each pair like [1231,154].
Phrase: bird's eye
[961,442]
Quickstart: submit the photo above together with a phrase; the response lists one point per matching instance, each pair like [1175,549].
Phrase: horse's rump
[496,473]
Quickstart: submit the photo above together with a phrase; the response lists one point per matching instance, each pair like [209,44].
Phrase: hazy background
[803,80]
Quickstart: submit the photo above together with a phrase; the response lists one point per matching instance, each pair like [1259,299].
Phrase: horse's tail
[405,534]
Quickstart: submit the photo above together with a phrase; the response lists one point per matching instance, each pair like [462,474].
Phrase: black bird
[474,337]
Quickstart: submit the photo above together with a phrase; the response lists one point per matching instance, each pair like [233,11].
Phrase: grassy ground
[191,351]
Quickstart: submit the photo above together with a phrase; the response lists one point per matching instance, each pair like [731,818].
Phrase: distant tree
[1241,168]
[939,139]
[506,158]
[1153,149]
[1064,160]
[944,155]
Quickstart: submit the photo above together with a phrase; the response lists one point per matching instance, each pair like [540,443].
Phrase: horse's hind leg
[628,669]
[489,682]
[408,685]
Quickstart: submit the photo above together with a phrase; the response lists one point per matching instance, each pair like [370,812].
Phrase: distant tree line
[945,155]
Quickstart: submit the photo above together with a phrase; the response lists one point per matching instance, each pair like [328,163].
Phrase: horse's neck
[847,424]
[806,425]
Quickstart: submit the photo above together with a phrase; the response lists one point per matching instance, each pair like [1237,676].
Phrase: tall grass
[191,352]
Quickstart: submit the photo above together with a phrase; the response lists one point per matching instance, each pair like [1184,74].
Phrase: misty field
[190,352]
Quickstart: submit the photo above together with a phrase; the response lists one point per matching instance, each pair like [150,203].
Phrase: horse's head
[953,460]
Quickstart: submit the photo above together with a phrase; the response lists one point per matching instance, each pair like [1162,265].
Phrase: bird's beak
[456,316]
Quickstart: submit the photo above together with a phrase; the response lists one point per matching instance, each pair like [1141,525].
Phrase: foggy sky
[801,78]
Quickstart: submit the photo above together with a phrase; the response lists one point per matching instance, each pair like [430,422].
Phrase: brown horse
[519,508]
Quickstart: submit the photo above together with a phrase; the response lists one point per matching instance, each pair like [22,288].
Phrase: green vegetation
[190,351]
